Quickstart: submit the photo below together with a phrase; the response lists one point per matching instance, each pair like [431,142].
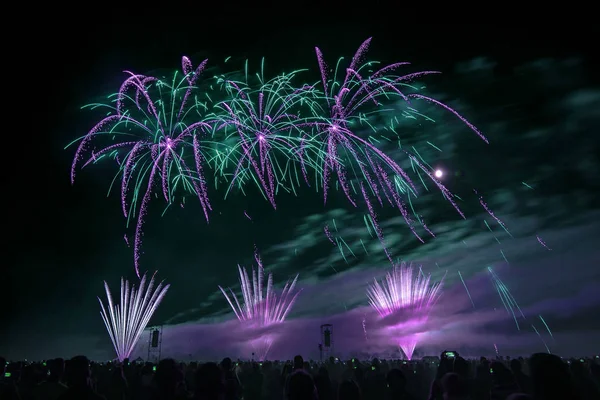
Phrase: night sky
[534,93]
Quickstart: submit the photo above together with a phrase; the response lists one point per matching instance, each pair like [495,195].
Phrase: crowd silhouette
[449,377]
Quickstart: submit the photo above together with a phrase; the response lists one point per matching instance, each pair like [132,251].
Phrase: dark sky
[534,92]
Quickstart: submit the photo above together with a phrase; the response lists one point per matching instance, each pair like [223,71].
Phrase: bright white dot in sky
[438,173]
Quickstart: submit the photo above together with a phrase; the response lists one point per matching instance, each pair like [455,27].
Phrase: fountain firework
[126,321]
[403,292]
[258,311]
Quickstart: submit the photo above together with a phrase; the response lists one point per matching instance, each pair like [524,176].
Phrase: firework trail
[328,234]
[543,243]
[509,302]
[403,290]
[126,321]
[466,289]
[546,325]
[261,308]
[150,123]
[541,338]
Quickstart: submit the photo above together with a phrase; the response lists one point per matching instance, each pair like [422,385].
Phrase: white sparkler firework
[402,291]
[258,310]
[126,321]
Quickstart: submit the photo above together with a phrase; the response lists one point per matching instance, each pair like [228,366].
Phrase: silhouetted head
[209,380]
[550,377]
[349,390]
[2,365]
[454,386]
[167,376]
[516,366]
[301,386]
[500,373]
[226,364]
[78,371]
[461,367]
[117,372]
[396,380]
[298,362]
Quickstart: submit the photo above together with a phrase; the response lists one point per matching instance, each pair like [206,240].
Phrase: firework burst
[126,321]
[266,122]
[270,133]
[150,125]
[378,177]
[261,308]
[404,291]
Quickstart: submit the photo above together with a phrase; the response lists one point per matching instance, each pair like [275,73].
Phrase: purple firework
[402,291]
[261,310]
[380,178]
[126,321]
[150,123]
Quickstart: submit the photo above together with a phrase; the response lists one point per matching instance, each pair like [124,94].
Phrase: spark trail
[126,321]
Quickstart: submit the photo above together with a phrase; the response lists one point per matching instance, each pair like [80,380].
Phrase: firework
[508,300]
[261,310]
[347,99]
[403,290]
[151,126]
[265,122]
[275,134]
[126,321]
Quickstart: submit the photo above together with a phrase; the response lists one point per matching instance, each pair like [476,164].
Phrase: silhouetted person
[51,388]
[286,373]
[396,383]
[169,381]
[523,381]
[298,362]
[146,382]
[300,386]
[323,384]
[26,382]
[454,387]
[482,384]
[209,382]
[349,390]
[584,382]
[117,388]
[8,389]
[232,385]
[461,367]
[79,380]
[503,382]
[550,378]
[253,383]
